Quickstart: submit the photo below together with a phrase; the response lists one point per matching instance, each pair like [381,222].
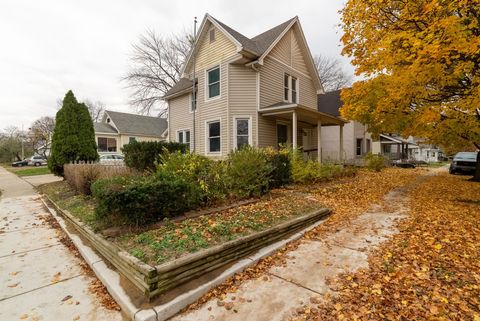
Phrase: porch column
[340,152]
[294,129]
[319,141]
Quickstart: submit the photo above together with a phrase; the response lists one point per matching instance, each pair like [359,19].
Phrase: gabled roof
[104,128]
[257,46]
[264,40]
[137,124]
[330,102]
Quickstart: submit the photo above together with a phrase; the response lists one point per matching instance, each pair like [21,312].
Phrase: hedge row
[184,181]
[143,156]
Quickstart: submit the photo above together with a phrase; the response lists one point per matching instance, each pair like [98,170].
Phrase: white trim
[168,123]
[206,84]
[237,117]
[257,143]
[201,30]
[277,40]
[290,67]
[207,141]
[183,130]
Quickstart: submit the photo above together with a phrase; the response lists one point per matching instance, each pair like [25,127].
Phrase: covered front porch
[397,148]
[301,128]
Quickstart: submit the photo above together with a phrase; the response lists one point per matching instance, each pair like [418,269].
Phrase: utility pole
[23,150]
[194,94]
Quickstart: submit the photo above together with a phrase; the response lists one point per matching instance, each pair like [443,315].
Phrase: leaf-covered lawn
[429,271]
[173,240]
[348,197]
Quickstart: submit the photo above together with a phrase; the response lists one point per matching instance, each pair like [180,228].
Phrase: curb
[111,278]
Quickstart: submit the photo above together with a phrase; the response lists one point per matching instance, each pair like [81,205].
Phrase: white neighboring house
[395,147]
[118,129]
[357,141]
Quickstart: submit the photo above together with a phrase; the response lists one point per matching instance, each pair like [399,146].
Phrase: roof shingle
[330,103]
[138,124]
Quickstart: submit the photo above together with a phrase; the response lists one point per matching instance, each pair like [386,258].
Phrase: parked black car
[20,163]
[463,162]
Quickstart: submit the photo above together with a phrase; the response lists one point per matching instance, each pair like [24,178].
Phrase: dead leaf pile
[429,271]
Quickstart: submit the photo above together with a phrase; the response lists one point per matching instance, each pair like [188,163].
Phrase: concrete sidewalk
[304,277]
[40,279]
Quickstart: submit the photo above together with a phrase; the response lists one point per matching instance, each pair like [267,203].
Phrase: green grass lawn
[29,171]
[439,164]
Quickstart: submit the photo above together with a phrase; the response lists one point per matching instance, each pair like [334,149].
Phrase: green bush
[309,171]
[374,162]
[247,172]
[280,161]
[144,200]
[73,137]
[143,156]
[208,174]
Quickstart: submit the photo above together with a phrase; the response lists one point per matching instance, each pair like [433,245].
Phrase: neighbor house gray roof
[104,128]
[330,103]
[138,124]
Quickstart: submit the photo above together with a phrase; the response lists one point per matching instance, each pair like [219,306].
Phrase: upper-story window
[132,139]
[290,89]
[193,101]
[212,35]
[213,76]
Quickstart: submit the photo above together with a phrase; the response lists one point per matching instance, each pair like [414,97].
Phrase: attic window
[108,120]
[212,35]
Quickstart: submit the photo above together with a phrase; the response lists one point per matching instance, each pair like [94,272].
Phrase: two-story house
[261,91]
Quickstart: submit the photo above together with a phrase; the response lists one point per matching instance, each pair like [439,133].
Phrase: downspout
[254,67]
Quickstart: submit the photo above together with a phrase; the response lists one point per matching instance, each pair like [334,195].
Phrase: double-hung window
[242,132]
[359,147]
[290,89]
[183,136]
[213,141]
[213,82]
[193,101]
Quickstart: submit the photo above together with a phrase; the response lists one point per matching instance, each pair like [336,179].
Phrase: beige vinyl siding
[211,53]
[283,50]
[274,68]
[215,109]
[298,54]
[180,116]
[242,99]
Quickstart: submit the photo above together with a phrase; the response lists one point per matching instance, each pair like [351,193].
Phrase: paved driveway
[40,279]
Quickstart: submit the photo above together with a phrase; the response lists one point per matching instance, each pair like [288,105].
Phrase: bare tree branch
[156,65]
[96,109]
[332,75]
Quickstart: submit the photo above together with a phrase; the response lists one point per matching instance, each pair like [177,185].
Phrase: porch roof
[304,114]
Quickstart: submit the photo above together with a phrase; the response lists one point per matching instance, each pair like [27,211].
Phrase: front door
[282,134]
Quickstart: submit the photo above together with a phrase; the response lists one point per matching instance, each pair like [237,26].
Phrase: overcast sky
[51,46]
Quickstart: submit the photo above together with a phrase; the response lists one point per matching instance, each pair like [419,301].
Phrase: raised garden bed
[177,252]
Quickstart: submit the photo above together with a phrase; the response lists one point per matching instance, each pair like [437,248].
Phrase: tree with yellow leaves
[421,63]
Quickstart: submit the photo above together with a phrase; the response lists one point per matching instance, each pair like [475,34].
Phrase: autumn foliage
[421,64]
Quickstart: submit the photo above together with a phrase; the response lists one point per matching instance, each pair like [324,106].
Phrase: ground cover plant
[175,239]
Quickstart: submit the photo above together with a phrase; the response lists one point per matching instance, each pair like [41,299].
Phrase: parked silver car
[112,159]
[37,161]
